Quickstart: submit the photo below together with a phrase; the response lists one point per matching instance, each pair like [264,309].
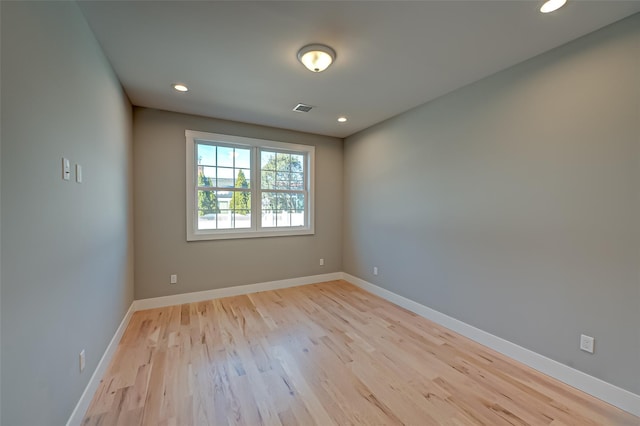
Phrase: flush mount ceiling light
[179,87]
[342,119]
[316,57]
[551,5]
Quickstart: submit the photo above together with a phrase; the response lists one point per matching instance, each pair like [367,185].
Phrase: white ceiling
[239,58]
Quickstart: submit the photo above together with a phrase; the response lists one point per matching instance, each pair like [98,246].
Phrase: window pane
[223,198]
[286,219]
[267,160]
[297,202]
[284,202]
[268,219]
[297,218]
[268,180]
[297,163]
[282,180]
[207,209]
[269,201]
[206,176]
[225,219]
[206,155]
[297,181]
[241,206]
[207,202]
[225,178]
[282,210]
[225,156]
[242,220]
[242,178]
[240,202]
[283,162]
[243,158]
[206,220]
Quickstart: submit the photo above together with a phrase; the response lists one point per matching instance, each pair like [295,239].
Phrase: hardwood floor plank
[322,354]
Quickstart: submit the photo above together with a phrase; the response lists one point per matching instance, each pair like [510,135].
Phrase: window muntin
[242,187]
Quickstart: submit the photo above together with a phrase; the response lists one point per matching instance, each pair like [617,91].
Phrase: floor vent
[302,108]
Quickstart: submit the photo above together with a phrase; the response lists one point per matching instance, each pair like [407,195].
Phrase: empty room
[320,213]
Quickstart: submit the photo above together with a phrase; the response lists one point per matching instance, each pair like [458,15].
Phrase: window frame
[256,145]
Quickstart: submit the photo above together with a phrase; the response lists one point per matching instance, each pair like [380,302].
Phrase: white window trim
[195,234]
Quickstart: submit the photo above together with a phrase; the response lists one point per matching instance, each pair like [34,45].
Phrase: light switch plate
[78,173]
[82,360]
[66,169]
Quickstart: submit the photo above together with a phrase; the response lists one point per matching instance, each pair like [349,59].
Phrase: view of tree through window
[282,184]
[207,201]
[224,197]
[241,201]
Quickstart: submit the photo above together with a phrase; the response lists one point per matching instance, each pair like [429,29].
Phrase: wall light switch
[78,173]
[82,360]
[66,169]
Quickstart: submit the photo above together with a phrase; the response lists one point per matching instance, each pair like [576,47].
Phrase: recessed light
[342,119]
[551,5]
[180,87]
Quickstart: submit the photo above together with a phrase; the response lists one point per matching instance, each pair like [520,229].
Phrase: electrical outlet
[586,343]
[174,279]
[82,360]
[321,262]
[375,270]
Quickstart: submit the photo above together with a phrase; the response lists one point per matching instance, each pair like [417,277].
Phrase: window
[243,188]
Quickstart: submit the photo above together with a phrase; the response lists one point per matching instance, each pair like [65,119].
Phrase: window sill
[233,235]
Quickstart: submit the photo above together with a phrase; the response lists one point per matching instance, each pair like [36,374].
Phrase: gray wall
[513,204]
[160,213]
[67,277]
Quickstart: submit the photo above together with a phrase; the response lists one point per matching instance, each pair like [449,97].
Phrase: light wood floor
[322,354]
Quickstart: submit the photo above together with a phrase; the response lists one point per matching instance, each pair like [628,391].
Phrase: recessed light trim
[342,119]
[552,5]
[316,57]
[179,87]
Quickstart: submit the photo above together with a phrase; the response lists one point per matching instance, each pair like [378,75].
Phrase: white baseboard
[101,368]
[598,388]
[199,296]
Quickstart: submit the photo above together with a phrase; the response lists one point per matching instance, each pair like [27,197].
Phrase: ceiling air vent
[302,108]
